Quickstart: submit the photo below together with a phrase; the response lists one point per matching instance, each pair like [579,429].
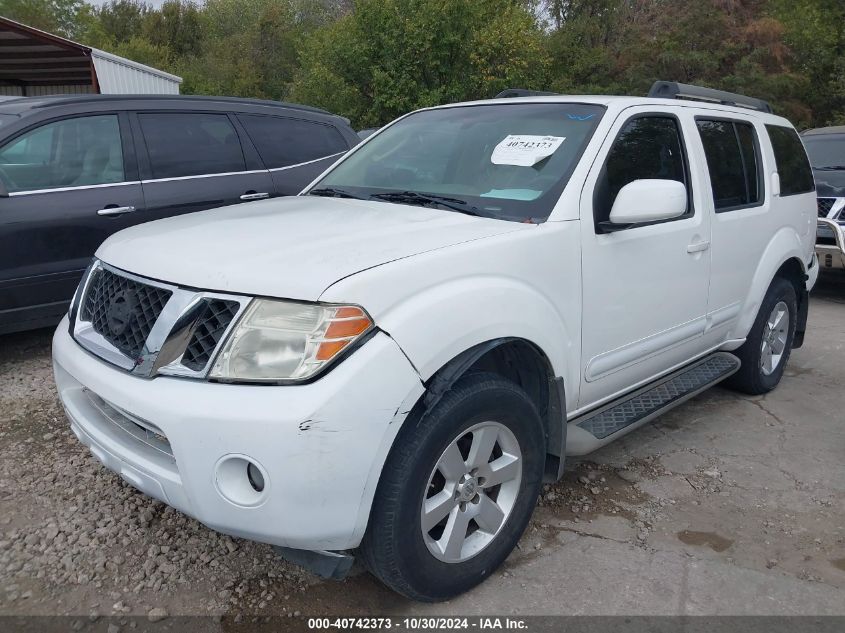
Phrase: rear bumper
[320,446]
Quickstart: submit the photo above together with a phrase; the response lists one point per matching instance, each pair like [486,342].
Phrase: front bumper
[320,446]
[831,255]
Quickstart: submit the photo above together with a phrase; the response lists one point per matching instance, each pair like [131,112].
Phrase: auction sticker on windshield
[525,150]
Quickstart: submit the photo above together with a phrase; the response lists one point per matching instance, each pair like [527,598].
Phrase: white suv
[390,364]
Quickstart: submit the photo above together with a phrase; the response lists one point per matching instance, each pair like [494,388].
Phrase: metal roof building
[36,63]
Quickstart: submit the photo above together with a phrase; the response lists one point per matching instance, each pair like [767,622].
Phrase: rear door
[191,161]
[72,182]
[742,213]
[295,150]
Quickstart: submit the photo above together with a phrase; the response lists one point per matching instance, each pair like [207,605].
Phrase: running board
[593,430]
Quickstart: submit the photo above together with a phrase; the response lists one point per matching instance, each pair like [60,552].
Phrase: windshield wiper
[331,192]
[412,197]
[831,168]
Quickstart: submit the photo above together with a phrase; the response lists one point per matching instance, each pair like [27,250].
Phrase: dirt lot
[727,505]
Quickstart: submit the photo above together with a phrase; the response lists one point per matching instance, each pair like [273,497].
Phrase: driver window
[68,153]
[647,147]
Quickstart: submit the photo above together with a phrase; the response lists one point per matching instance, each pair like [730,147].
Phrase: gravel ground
[713,483]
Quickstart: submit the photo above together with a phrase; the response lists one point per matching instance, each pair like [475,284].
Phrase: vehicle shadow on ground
[830,286]
[20,345]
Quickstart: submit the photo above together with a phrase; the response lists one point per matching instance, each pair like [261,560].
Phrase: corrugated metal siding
[122,76]
[40,91]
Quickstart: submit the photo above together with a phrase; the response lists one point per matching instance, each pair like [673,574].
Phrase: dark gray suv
[826,149]
[75,169]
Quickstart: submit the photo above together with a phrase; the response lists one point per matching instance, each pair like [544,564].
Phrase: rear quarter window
[283,142]
[791,159]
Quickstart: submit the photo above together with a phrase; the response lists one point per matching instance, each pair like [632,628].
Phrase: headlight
[283,340]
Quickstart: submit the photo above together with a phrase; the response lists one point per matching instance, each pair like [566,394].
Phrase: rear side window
[191,144]
[647,147]
[791,159]
[733,160]
[283,142]
[75,152]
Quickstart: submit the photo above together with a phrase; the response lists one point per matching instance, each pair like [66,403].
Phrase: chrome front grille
[826,205]
[123,311]
[215,319]
[147,327]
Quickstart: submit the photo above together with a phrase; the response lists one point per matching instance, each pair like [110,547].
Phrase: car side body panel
[782,247]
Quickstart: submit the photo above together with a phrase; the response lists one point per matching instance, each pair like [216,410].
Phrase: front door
[71,184]
[644,288]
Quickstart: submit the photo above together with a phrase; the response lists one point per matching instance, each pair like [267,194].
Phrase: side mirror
[648,201]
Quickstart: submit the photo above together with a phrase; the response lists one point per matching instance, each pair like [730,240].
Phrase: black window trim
[777,166]
[758,152]
[127,146]
[238,116]
[689,213]
[143,154]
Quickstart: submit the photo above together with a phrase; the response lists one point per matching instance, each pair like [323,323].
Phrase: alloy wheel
[775,335]
[471,492]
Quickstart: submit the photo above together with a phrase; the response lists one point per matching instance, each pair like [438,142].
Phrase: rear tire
[766,350]
[440,522]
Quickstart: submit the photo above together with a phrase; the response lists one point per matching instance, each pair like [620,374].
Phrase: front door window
[75,152]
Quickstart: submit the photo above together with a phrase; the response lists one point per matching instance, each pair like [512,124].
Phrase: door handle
[254,196]
[115,210]
[698,247]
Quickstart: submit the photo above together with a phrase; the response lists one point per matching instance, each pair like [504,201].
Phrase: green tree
[175,27]
[814,32]
[141,50]
[54,16]
[623,46]
[390,56]
[252,47]
[121,20]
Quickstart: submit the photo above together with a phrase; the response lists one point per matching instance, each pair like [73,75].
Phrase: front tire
[766,350]
[457,490]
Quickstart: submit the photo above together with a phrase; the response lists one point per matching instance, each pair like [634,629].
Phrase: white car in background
[390,364]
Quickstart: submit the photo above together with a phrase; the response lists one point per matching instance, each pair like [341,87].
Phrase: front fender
[434,326]
[521,285]
[784,245]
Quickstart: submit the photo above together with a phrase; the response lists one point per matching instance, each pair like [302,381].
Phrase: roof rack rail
[47,101]
[522,92]
[674,90]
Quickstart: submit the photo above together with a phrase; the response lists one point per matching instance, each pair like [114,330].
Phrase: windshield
[508,161]
[826,151]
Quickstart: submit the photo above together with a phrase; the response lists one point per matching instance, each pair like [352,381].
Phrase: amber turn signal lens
[329,350]
[343,329]
[347,324]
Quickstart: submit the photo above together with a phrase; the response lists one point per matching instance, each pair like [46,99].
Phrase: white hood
[291,248]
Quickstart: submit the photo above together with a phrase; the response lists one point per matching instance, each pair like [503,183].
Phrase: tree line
[373,60]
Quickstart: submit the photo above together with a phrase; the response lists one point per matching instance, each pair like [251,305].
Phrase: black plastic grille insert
[216,317]
[123,311]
